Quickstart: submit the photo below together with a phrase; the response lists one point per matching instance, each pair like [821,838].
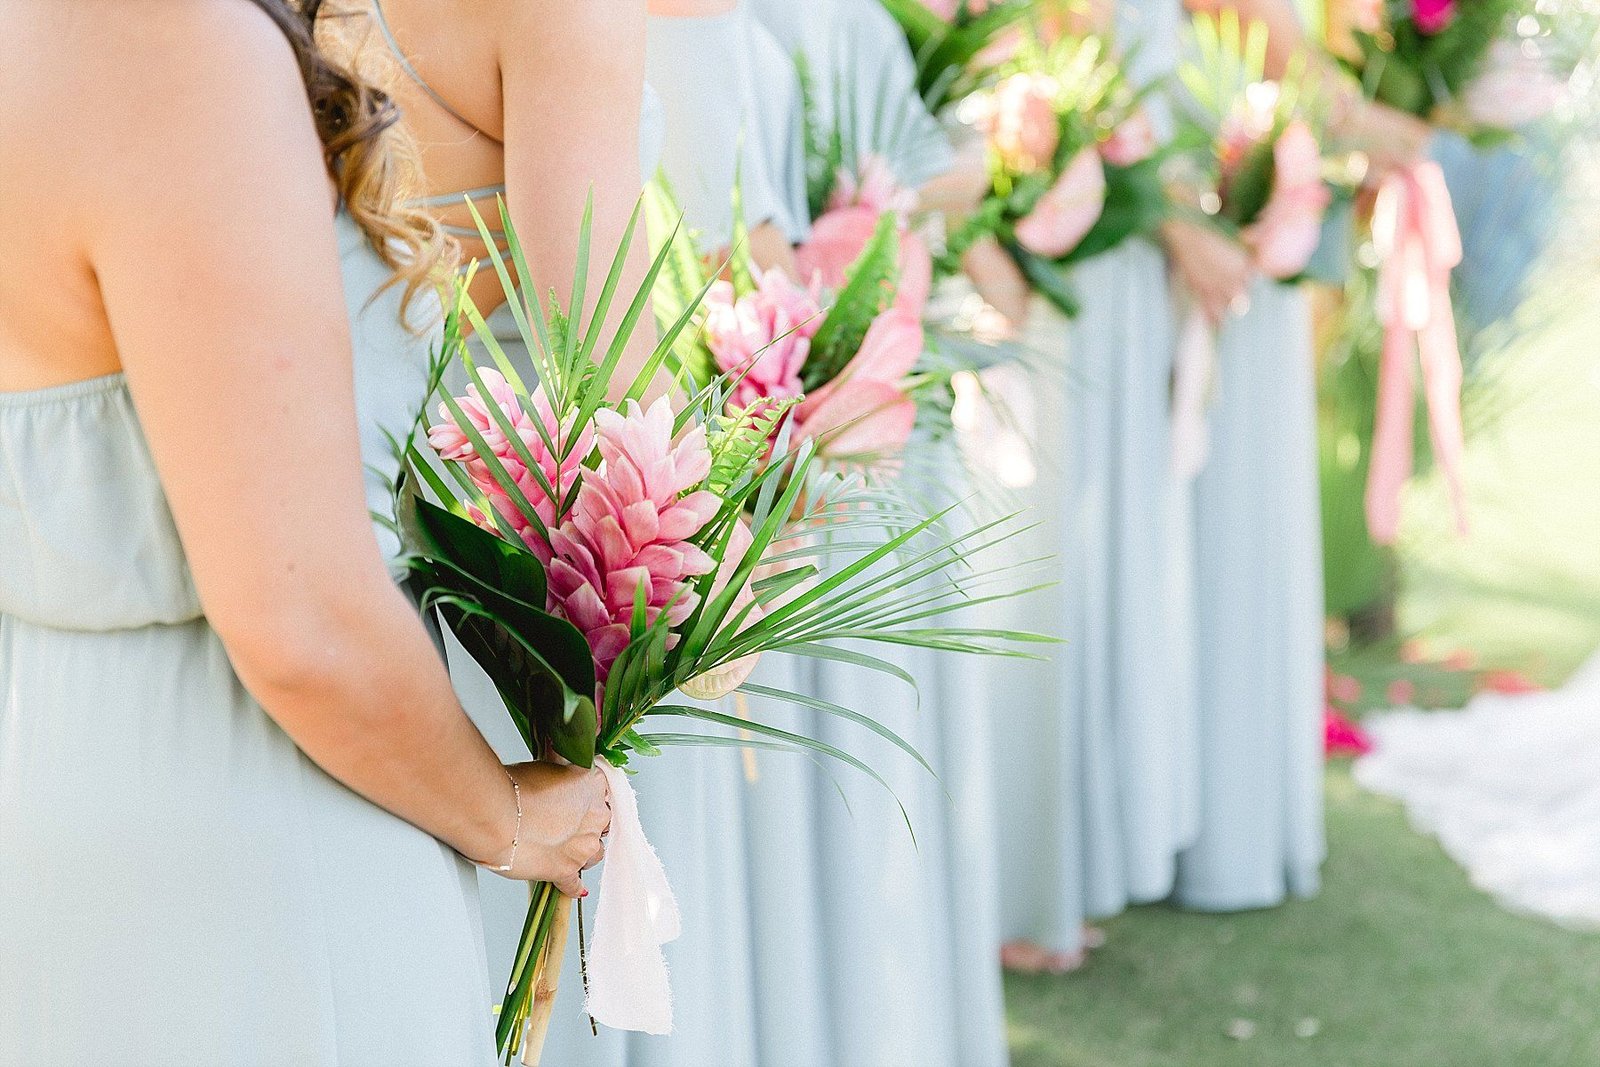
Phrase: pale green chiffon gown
[179,884]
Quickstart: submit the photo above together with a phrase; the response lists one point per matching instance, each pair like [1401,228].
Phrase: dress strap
[411,71]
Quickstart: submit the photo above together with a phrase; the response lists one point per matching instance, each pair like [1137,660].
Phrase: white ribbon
[1194,367]
[636,915]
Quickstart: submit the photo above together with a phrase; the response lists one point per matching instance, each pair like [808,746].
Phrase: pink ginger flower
[866,411]
[1132,141]
[630,530]
[450,440]
[1433,16]
[765,336]
[873,186]
[1068,210]
[1019,119]
[1285,234]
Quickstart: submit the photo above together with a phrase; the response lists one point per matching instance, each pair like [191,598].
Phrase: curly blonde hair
[372,160]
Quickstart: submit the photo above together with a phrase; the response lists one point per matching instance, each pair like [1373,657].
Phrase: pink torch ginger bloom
[1433,16]
[1285,235]
[1132,141]
[865,411]
[1019,119]
[452,443]
[630,530]
[874,187]
[765,336]
[1068,210]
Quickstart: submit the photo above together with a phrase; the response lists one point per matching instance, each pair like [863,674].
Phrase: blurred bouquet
[1253,147]
[1073,164]
[957,42]
[832,361]
[1476,65]
[595,556]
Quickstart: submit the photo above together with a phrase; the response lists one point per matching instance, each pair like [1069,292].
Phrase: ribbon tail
[636,915]
[1440,353]
[1389,466]
[1193,367]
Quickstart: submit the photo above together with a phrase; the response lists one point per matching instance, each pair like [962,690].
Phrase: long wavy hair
[373,162]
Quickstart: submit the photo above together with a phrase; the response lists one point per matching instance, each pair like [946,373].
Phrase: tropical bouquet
[1477,65]
[1254,156]
[597,555]
[1074,169]
[832,361]
[955,42]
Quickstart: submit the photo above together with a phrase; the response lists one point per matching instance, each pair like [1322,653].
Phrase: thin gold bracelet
[516,836]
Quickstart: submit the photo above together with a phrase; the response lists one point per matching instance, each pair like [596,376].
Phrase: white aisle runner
[1510,785]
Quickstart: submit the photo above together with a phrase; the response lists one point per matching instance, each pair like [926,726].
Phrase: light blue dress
[1097,822]
[181,885]
[875,949]
[707,115]
[1258,554]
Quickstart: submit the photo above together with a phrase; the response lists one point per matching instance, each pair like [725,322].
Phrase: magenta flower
[1342,737]
[1019,119]
[866,410]
[452,443]
[1068,210]
[1285,234]
[1433,16]
[764,336]
[631,530]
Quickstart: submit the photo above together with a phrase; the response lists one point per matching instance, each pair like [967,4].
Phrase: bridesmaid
[493,100]
[1098,822]
[707,60]
[877,949]
[235,788]
[1258,556]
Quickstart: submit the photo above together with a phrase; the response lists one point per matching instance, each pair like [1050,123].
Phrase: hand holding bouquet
[1256,166]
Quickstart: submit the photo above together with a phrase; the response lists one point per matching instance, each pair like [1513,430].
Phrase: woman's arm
[572,77]
[210,231]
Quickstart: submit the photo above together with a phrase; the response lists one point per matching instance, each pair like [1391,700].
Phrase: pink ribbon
[1414,229]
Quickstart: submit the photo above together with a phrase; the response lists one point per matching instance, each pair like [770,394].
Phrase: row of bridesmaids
[1174,739]
[238,793]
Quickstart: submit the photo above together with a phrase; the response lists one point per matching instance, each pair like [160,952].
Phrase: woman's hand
[1392,139]
[565,812]
[998,279]
[1214,268]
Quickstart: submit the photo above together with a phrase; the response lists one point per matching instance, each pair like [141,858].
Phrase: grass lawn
[1400,962]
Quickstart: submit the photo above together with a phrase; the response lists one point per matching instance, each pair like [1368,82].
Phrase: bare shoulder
[582,24]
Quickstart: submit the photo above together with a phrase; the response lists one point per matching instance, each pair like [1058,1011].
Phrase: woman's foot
[1028,957]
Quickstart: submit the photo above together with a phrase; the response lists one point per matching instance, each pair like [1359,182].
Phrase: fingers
[571,886]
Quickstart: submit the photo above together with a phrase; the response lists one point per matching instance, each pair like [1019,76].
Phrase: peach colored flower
[1286,233]
[1132,141]
[866,411]
[1019,119]
[1069,210]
